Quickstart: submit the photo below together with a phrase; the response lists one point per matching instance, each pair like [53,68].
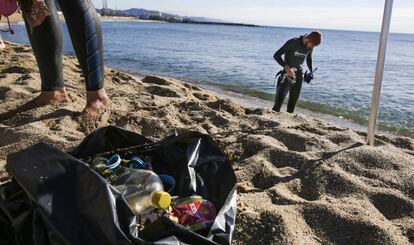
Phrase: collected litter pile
[144,192]
[117,187]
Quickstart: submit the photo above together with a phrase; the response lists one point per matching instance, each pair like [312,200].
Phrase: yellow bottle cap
[161,199]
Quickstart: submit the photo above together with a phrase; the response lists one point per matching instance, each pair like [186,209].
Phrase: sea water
[240,59]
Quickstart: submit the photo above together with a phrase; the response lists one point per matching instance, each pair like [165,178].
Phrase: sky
[362,15]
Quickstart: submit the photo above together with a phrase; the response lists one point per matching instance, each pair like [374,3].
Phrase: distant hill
[155,14]
[145,14]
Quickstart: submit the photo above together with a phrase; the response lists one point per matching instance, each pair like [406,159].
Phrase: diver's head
[313,39]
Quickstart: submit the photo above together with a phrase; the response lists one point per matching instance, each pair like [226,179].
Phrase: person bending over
[295,51]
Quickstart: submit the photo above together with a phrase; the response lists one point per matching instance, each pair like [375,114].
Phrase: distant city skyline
[365,15]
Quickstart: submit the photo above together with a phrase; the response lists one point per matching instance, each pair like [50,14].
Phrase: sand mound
[301,180]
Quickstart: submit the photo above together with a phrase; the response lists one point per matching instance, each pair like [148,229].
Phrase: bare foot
[53,97]
[45,98]
[96,102]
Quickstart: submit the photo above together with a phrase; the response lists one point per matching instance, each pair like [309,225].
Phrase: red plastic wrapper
[193,212]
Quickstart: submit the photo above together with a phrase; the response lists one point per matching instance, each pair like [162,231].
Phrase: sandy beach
[301,180]
[17,17]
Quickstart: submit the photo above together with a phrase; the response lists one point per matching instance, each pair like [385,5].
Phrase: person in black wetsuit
[45,34]
[295,51]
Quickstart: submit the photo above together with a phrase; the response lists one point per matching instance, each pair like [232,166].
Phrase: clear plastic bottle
[142,189]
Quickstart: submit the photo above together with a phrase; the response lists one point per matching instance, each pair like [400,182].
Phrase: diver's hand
[289,71]
[308,77]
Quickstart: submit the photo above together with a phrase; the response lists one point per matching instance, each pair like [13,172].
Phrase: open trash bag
[56,198]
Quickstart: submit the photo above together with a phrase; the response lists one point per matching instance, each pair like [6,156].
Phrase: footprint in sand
[17,69]
[392,206]
[334,228]
[161,91]
[156,80]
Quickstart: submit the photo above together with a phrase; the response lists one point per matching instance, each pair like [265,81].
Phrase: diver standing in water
[295,51]
[45,34]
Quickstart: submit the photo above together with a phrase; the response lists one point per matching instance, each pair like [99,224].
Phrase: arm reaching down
[278,55]
[309,61]
[282,51]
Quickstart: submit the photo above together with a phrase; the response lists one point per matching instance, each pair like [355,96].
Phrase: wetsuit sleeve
[309,61]
[278,55]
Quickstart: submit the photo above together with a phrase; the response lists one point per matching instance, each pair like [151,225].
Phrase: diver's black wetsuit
[85,32]
[295,53]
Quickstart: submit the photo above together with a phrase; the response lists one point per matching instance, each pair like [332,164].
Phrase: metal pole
[379,71]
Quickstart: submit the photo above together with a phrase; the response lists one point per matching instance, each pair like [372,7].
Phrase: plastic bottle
[143,190]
